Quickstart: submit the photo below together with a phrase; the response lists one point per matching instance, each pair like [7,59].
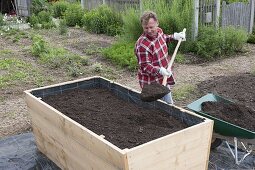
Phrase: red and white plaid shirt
[152,53]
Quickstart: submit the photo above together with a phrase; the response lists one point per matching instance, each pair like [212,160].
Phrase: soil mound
[239,88]
[236,114]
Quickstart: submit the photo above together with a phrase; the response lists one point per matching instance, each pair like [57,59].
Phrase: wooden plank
[73,154]
[251,21]
[175,147]
[100,147]
[64,83]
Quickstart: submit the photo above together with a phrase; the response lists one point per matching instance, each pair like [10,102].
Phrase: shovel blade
[153,91]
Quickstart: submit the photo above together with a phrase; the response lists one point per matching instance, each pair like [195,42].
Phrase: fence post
[195,20]
[141,6]
[217,13]
[83,4]
[251,16]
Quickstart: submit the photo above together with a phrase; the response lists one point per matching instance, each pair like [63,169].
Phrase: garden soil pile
[236,114]
[122,123]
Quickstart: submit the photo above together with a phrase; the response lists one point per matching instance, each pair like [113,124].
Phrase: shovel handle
[173,57]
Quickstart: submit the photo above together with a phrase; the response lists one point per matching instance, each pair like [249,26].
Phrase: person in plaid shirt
[152,53]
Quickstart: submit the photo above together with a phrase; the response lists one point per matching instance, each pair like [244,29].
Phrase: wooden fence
[206,12]
[116,4]
[238,14]
[23,7]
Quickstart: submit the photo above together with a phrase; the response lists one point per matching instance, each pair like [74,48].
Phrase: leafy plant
[234,40]
[42,20]
[103,20]
[122,53]
[97,67]
[132,28]
[251,39]
[73,15]
[39,46]
[16,70]
[38,6]
[57,57]
[59,8]
[220,42]
[34,21]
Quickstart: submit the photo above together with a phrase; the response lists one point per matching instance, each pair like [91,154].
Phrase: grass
[14,34]
[16,71]
[97,67]
[183,92]
[92,49]
[56,58]
[5,52]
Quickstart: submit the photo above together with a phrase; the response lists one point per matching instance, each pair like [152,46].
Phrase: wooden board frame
[73,146]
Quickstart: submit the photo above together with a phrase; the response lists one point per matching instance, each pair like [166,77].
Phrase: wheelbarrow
[224,131]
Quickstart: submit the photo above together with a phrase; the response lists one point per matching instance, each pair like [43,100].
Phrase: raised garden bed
[94,123]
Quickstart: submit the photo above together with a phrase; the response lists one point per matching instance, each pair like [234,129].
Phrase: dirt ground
[209,77]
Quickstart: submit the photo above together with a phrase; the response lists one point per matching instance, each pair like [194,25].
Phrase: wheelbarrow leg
[235,155]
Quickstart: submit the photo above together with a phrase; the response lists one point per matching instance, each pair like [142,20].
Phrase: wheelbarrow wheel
[215,143]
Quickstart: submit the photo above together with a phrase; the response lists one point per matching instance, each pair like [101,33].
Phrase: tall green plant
[73,14]
[234,40]
[59,8]
[214,43]
[173,17]
[132,28]
[38,6]
[103,20]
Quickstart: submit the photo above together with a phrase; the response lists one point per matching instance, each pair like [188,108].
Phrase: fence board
[119,5]
[236,14]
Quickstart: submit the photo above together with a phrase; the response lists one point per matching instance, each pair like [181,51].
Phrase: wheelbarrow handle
[172,59]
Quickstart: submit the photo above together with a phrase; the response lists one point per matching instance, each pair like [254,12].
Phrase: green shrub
[59,8]
[103,20]
[173,17]
[39,46]
[73,15]
[42,20]
[38,6]
[33,20]
[251,39]
[122,53]
[212,43]
[234,40]
[132,28]
[44,16]
[208,43]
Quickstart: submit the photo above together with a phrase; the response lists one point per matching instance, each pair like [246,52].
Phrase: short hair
[146,16]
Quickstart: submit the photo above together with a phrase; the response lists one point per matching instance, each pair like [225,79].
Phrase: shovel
[154,91]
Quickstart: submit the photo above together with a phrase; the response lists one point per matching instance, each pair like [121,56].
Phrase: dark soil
[236,114]
[124,124]
[153,92]
[239,88]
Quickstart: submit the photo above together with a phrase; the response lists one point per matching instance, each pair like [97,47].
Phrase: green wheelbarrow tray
[221,127]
